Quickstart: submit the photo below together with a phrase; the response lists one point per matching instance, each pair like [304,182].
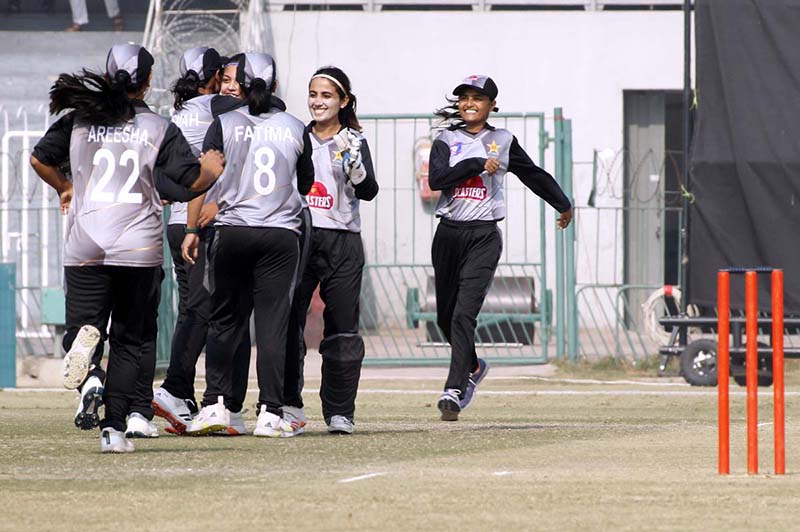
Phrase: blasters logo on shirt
[318,197]
[472,188]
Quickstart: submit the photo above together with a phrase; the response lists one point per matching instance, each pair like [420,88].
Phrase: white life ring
[650,315]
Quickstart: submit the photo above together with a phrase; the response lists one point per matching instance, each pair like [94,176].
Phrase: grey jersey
[259,185]
[332,199]
[193,120]
[479,197]
[115,214]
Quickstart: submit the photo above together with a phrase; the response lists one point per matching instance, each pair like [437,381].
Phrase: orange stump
[778,412]
[751,368]
[723,370]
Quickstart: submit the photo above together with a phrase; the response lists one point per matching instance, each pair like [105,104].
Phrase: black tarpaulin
[745,158]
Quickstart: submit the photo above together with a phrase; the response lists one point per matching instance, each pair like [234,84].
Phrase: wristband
[191,230]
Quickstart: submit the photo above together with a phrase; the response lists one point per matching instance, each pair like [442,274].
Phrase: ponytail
[95,98]
[259,97]
[347,115]
[450,117]
[185,88]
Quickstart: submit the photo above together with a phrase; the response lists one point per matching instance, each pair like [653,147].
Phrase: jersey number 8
[264,167]
[125,195]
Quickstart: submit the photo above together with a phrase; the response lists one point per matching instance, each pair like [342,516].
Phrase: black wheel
[764,371]
[699,363]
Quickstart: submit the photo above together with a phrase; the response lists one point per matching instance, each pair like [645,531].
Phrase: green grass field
[530,455]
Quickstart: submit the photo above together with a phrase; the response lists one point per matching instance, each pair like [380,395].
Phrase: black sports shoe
[474,380]
[449,404]
[87,416]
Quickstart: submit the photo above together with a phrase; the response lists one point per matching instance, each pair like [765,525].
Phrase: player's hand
[189,247]
[207,213]
[492,165]
[342,139]
[213,163]
[564,219]
[349,143]
[65,197]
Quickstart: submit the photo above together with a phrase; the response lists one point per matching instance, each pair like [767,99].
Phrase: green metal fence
[610,312]
[398,304]
[168,306]
[398,311]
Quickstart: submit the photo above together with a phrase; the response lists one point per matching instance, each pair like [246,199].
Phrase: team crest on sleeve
[471,189]
[318,197]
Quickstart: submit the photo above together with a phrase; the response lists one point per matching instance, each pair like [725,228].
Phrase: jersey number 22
[125,195]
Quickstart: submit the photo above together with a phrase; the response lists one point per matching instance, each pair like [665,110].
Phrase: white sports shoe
[172,409]
[140,427]
[79,356]
[114,441]
[236,427]
[271,425]
[211,418]
[87,416]
[340,425]
[295,418]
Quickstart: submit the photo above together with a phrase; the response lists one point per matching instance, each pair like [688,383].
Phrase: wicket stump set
[751,365]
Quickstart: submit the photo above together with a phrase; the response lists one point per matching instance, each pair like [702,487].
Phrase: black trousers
[253,268]
[194,309]
[240,374]
[336,264]
[464,261]
[129,297]
[295,344]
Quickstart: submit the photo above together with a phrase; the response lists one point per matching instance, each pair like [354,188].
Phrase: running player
[255,249]
[344,176]
[468,163]
[118,151]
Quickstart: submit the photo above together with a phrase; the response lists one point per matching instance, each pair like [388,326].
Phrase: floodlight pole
[687,139]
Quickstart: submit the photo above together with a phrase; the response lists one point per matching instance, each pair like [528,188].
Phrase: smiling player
[468,163]
[343,177]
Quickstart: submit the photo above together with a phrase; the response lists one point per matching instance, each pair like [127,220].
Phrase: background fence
[398,304]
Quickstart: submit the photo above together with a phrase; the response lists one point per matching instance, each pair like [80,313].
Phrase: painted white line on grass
[360,477]
[609,393]
[502,473]
[37,390]
[591,381]
[554,380]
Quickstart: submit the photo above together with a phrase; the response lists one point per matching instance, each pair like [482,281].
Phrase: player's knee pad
[342,348]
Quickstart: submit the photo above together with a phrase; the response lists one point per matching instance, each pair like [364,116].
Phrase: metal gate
[398,314]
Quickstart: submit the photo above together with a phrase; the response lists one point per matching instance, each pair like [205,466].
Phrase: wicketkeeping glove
[349,142]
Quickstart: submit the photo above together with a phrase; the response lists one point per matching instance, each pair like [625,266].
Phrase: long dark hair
[185,88]
[347,115]
[95,98]
[450,117]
